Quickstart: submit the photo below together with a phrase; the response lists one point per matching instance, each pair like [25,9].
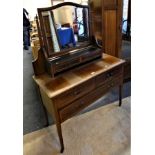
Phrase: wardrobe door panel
[96,18]
[110,2]
[110,32]
[112,19]
[96,6]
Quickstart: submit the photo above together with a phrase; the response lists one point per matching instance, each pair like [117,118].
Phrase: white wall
[78,1]
[64,15]
[75,1]
[32,5]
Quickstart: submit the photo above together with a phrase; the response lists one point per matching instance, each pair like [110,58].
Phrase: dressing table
[71,79]
[69,93]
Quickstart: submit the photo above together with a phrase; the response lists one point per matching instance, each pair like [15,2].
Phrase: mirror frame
[41,28]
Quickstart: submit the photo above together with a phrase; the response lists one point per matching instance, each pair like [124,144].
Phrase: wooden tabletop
[69,79]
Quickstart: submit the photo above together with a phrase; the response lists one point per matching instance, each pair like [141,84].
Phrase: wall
[32,5]
[75,1]
[64,15]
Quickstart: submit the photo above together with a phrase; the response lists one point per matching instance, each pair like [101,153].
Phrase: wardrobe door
[106,24]
[112,20]
[96,18]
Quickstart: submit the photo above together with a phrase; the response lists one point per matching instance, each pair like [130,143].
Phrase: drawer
[91,55]
[76,106]
[83,102]
[114,82]
[59,66]
[74,93]
[108,76]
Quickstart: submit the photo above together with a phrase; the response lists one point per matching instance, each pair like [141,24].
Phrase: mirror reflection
[66,27]
[72,25]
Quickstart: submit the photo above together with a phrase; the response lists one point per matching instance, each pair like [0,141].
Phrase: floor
[110,139]
[33,113]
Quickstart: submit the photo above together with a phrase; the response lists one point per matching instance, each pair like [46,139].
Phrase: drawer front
[76,106]
[59,66]
[83,102]
[91,55]
[109,75]
[74,93]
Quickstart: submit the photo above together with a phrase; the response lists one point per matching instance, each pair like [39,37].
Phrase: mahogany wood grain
[119,28]
[106,16]
[127,70]
[39,32]
[54,112]
[70,79]
[110,32]
[44,26]
[74,93]
[39,63]
[96,18]
[110,2]
[69,93]
[109,76]
[105,19]
[86,100]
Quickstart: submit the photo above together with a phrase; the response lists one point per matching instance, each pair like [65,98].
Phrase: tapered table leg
[120,94]
[58,125]
[45,111]
[46,116]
